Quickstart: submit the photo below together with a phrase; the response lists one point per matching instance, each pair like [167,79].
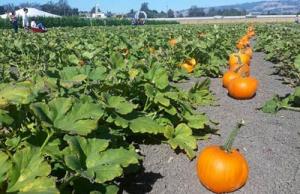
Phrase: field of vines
[281,43]
[75,103]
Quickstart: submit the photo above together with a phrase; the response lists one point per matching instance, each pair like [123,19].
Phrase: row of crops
[81,22]
[76,103]
[281,43]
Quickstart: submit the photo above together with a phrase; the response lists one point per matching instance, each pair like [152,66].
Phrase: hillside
[270,7]
[261,7]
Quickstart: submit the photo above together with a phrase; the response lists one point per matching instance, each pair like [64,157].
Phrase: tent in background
[32,12]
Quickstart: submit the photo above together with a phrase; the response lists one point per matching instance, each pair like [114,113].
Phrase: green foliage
[75,102]
[76,21]
[281,43]
[290,102]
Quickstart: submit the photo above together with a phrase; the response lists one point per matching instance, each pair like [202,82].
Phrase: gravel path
[271,144]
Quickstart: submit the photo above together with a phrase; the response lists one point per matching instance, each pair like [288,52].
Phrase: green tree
[171,13]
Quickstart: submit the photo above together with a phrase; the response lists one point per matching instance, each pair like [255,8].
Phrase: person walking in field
[297,21]
[25,19]
[14,20]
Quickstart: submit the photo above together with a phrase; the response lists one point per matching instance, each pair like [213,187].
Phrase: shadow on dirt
[139,183]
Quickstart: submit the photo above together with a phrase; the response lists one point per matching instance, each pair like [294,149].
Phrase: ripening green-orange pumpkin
[228,77]
[187,67]
[238,58]
[243,88]
[222,169]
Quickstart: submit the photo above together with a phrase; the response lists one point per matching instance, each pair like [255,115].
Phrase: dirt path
[271,144]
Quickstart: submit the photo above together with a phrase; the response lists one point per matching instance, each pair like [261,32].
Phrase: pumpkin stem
[229,142]
[239,58]
[238,68]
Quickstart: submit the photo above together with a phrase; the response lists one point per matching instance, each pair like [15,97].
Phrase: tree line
[62,8]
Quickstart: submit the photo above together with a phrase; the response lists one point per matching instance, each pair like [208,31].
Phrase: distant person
[33,24]
[25,19]
[41,26]
[297,21]
[14,20]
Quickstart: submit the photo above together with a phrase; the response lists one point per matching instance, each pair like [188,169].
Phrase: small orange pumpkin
[238,58]
[192,62]
[243,88]
[172,42]
[222,169]
[248,51]
[240,69]
[187,67]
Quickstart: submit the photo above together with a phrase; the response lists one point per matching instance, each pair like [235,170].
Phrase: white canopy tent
[32,12]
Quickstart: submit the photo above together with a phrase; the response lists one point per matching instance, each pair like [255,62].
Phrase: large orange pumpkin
[228,77]
[243,88]
[238,58]
[222,169]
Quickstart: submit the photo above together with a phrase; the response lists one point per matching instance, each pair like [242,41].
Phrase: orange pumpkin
[172,42]
[251,33]
[228,77]
[240,69]
[187,67]
[243,88]
[222,169]
[239,58]
[192,62]
[248,51]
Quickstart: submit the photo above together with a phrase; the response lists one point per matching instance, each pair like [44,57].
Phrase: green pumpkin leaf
[159,98]
[297,63]
[89,158]
[196,121]
[145,125]
[17,94]
[67,114]
[5,166]
[73,59]
[272,106]
[158,76]
[182,137]
[5,118]
[121,105]
[82,185]
[29,173]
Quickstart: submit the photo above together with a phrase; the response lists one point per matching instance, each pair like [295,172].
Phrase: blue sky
[121,6]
